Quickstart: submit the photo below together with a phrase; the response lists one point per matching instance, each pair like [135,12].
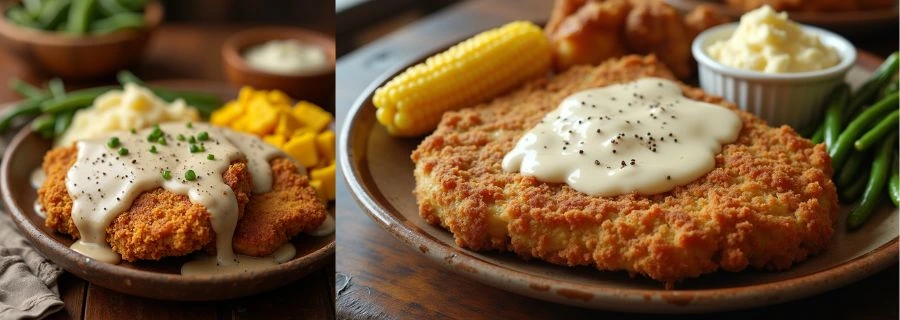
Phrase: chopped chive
[190,175]
[210,157]
[113,142]
[192,140]
[152,149]
[195,148]
[190,125]
[180,137]
[162,141]
[123,151]
[133,131]
[203,136]
[167,175]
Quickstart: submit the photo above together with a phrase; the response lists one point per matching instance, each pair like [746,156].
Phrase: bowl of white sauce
[297,61]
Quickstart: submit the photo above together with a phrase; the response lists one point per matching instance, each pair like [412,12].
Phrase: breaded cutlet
[768,203]
[161,224]
[274,217]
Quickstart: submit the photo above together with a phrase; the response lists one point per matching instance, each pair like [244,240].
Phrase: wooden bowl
[80,57]
[316,86]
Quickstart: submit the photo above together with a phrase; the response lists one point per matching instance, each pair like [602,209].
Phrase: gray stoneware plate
[151,279]
[379,172]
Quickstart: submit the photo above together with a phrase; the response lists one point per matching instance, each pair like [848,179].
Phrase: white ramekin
[794,99]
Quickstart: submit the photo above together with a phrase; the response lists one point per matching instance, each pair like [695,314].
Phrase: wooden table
[380,277]
[182,51]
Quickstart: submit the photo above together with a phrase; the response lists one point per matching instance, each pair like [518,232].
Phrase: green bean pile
[859,129]
[79,17]
[55,108]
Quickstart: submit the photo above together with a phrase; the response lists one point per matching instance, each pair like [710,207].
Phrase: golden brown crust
[768,203]
[274,217]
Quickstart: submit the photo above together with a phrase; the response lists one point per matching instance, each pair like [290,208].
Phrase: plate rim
[546,288]
[293,269]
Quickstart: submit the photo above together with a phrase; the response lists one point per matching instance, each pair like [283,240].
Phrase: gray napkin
[28,288]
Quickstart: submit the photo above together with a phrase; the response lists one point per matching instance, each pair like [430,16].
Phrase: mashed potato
[767,41]
[135,107]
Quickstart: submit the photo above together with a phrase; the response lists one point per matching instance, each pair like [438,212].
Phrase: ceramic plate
[379,172]
[152,279]
[853,23]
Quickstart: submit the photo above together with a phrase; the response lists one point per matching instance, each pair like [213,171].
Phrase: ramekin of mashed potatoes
[767,64]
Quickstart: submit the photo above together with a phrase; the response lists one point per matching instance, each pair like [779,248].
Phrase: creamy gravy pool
[182,158]
[643,136]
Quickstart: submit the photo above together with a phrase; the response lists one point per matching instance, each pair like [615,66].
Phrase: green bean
[834,114]
[819,135]
[875,186]
[26,90]
[851,193]
[29,107]
[850,170]
[63,120]
[74,100]
[44,125]
[80,16]
[891,87]
[855,129]
[885,126]
[19,16]
[873,85]
[33,7]
[57,88]
[111,7]
[53,13]
[134,5]
[894,184]
[119,21]
[126,77]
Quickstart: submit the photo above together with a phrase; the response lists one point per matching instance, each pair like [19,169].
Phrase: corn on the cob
[470,72]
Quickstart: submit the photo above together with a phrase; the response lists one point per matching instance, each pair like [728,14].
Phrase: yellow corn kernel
[326,175]
[263,117]
[325,144]
[303,148]
[316,184]
[278,97]
[470,72]
[275,140]
[227,114]
[312,115]
[287,124]
[245,94]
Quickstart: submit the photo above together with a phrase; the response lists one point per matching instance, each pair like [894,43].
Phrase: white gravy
[643,136]
[105,181]
[206,265]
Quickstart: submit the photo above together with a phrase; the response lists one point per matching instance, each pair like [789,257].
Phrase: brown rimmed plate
[379,173]
[151,279]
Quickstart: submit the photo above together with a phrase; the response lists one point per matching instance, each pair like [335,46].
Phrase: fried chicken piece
[702,17]
[562,9]
[655,27]
[158,224]
[591,35]
[274,217]
[768,203]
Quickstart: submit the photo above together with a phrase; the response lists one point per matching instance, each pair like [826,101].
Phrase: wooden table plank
[181,51]
[389,280]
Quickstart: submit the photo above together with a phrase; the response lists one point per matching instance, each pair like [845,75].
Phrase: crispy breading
[702,17]
[768,203]
[158,224]
[161,224]
[274,217]
[655,27]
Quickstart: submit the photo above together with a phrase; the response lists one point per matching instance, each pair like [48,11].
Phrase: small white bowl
[795,99]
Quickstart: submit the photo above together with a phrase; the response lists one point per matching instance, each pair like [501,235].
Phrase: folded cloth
[28,288]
